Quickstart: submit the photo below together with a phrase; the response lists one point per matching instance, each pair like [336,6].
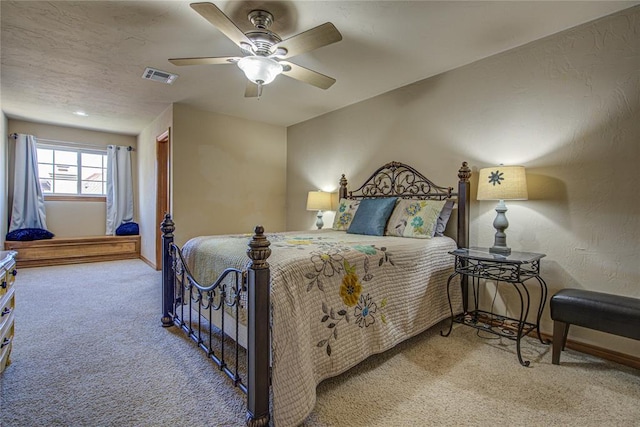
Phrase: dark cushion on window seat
[26,234]
[128,229]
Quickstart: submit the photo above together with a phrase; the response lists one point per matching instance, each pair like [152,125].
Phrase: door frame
[163,194]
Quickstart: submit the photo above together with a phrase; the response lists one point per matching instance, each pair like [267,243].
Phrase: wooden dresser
[7,305]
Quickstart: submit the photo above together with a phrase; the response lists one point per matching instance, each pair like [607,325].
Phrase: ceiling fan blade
[308,76]
[309,40]
[205,60]
[218,19]
[251,91]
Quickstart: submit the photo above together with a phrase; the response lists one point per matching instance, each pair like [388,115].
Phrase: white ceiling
[63,56]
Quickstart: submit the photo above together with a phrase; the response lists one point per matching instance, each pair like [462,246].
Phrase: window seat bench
[74,250]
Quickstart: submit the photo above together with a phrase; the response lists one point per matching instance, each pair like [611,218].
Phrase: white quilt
[337,298]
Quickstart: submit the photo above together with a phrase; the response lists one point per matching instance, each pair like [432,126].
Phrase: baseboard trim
[614,356]
[150,264]
[74,250]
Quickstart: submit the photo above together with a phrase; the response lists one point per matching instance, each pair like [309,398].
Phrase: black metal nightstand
[515,268]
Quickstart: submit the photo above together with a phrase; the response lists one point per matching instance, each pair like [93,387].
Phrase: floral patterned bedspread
[337,298]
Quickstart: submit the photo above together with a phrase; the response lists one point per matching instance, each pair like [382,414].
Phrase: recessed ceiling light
[80,113]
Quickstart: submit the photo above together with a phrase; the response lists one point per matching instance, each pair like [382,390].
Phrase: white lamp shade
[318,201]
[502,183]
[260,69]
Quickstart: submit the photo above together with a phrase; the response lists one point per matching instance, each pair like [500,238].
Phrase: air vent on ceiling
[159,76]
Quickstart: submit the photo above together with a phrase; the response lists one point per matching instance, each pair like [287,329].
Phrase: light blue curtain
[119,187]
[28,203]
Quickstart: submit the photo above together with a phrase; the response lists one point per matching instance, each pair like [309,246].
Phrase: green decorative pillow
[372,215]
[415,218]
[344,214]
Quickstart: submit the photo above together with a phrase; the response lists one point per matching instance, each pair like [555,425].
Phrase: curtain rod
[53,141]
[129,148]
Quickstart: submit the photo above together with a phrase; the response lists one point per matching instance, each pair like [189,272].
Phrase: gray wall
[566,107]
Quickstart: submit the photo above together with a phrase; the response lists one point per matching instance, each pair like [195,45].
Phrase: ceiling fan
[264,54]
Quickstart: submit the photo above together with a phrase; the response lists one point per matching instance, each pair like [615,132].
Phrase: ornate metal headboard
[397,179]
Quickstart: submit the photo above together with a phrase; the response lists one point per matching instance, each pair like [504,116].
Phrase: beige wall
[228,174]
[75,218]
[566,107]
[147,185]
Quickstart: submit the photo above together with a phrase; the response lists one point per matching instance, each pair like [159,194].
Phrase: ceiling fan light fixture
[264,54]
[260,69]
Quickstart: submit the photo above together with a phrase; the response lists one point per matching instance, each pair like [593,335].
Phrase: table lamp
[319,201]
[502,183]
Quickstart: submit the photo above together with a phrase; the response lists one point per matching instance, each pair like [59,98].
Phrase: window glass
[94,160]
[91,174]
[45,171]
[68,171]
[46,185]
[92,180]
[45,156]
[65,187]
[62,157]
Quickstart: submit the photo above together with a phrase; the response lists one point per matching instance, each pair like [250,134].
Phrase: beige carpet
[89,351]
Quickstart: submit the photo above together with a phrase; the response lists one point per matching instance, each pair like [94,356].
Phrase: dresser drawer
[5,353]
[6,340]
[7,306]
[7,277]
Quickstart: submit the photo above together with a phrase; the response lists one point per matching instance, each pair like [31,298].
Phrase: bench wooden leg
[560,332]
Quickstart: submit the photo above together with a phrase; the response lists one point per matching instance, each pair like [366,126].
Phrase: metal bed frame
[182,295]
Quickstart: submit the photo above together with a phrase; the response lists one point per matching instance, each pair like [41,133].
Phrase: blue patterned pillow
[371,216]
[27,234]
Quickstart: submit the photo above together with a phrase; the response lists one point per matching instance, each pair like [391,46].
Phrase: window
[72,172]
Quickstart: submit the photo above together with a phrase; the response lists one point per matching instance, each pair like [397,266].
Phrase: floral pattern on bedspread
[361,306]
[336,299]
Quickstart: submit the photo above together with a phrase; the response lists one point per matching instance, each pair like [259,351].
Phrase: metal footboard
[192,298]
[193,306]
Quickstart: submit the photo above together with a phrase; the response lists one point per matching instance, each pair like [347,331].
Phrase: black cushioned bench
[614,314]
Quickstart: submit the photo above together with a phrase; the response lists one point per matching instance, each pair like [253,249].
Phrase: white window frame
[78,150]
